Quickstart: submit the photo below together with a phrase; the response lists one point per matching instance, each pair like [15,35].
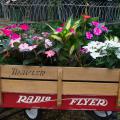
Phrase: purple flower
[83,50]
[89,35]
[104,28]
[97,31]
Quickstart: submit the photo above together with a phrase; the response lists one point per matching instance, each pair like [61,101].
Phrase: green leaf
[76,24]
[16,44]
[72,49]
[28,61]
[68,34]
[56,38]
[68,24]
[51,27]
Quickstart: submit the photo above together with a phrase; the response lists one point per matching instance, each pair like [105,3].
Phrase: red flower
[86,17]
[62,25]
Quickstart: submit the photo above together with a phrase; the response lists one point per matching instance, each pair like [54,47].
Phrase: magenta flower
[24,27]
[95,23]
[7,32]
[97,31]
[72,31]
[83,50]
[15,36]
[89,35]
[50,53]
[60,29]
[11,26]
[104,28]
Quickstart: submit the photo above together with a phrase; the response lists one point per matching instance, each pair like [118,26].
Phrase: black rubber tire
[36,117]
[113,116]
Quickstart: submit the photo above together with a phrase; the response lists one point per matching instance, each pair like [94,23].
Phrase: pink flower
[45,34]
[11,26]
[37,38]
[25,47]
[97,31]
[72,30]
[89,35]
[7,32]
[1,33]
[15,36]
[24,27]
[50,53]
[95,23]
[104,28]
[60,29]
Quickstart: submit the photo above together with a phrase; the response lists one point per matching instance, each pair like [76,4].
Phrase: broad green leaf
[68,34]
[56,38]
[68,24]
[72,49]
[76,24]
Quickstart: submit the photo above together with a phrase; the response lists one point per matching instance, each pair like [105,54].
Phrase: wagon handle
[59,87]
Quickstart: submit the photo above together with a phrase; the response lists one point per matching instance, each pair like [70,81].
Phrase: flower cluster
[101,49]
[97,30]
[65,45]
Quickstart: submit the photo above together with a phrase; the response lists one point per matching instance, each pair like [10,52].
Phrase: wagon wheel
[33,114]
[102,115]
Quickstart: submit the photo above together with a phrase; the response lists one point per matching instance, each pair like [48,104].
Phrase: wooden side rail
[59,87]
[119,91]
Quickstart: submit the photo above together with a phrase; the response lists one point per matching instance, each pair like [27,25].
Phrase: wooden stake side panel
[50,87]
[51,73]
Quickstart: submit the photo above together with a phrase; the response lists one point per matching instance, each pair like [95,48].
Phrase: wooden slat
[50,87]
[94,74]
[69,73]
[28,72]
[119,91]
[59,87]
[87,88]
[26,86]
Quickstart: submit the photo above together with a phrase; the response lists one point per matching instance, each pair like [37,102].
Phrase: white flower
[48,43]
[94,55]
[113,44]
[94,46]
[118,53]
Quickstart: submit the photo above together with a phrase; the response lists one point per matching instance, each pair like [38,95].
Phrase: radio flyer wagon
[64,88]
